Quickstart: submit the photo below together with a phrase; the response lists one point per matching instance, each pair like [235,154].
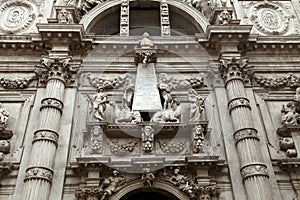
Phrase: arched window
[144,16]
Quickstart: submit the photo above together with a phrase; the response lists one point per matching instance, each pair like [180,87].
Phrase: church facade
[149,99]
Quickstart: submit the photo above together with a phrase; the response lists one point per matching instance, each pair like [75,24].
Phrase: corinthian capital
[233,68]
[56,68]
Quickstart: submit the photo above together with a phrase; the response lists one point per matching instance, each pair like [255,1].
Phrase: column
[253,170]
[56,72]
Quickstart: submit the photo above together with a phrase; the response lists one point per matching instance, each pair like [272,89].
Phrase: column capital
[57,68]
[233,68]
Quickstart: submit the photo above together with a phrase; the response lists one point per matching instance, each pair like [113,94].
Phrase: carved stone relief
[5,134]
[289,80]
[173,83]
[172,146]
[290,120]
[148,139]
[17,16]
[111,184]
[96,139]
[270,18]
[122,147]
[110,83]
[184,180]
[124,24]
[16,82]
[64,16]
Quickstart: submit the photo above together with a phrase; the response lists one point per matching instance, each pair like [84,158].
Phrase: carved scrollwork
[254,170]
[11,83]
[238,102]
[48,135]
[39,173]
[17,16]
[245,133]
[52,103]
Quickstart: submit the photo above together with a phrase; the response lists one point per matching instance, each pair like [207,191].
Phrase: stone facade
[153,99]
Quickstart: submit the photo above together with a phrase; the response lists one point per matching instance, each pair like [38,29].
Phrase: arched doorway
[149,195]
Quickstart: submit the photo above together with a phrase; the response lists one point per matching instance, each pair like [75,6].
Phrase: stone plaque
[146,94]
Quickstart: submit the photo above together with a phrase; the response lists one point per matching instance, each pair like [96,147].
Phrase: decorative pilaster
[124,24]
[253,170]
[56,73]
[165,19]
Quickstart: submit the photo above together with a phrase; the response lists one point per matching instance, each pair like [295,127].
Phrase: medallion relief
[16,16]
[270,19]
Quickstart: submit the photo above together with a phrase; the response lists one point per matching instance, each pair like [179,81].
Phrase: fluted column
[56,73]
[253,170]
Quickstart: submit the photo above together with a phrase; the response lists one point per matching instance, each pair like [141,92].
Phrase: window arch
[144,16]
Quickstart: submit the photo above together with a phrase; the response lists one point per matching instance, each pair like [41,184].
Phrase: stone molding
[41,173]
[238,102]
[246,133]
[44,134]
[256,169]
[52,103]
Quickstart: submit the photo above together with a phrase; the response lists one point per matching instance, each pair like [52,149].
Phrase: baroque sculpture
[196,106]
[148,138]
[3,118]
[99,104]
[148,178]
[172,114]
[96,139]
[198,139]
[111,184]
[65,17]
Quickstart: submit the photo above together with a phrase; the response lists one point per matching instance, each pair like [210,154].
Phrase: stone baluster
[37,183]
[253,170]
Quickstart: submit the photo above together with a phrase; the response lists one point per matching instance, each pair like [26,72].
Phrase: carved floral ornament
[270,18]
[17,16]
[289,80]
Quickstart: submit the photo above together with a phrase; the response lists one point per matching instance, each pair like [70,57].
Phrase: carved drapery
[254,171]
[56,73]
